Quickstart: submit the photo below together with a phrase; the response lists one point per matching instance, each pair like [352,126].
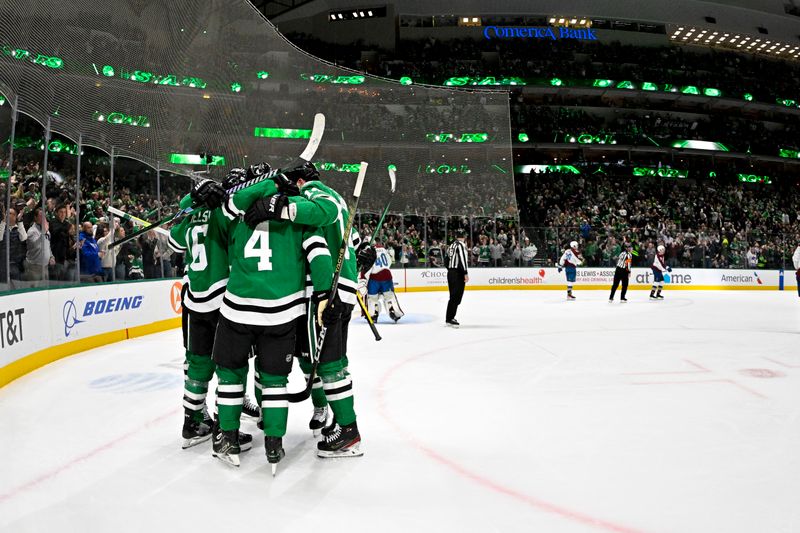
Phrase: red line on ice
[76,460]
[477,478]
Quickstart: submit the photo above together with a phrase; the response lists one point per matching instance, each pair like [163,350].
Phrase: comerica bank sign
[535,32]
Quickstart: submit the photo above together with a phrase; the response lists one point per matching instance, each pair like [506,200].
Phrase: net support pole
[78,208]
[158,204]
[45,265]
[7,236]
[111,221]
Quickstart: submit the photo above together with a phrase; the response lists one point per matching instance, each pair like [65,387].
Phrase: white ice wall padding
[42,319]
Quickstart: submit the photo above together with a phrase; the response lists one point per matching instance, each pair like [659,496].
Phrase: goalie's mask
[307,172]
[235,177]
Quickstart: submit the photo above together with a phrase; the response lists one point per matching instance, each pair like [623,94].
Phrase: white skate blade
[188,443]
[274,468]
[317,432]
[351,451]
[230,460]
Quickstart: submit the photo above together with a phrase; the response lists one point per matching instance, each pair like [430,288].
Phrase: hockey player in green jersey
[306,200]
[202,236]
[264,298]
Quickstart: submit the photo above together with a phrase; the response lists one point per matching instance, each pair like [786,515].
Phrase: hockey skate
[317,422]
[227,445]
[274,449]
[453,323]
[570,297]
[250,409]
[194,432]
[343,441]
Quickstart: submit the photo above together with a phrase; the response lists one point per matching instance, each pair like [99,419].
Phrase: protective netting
[183,82]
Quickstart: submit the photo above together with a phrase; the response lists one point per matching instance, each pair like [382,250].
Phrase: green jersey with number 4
[268,264]
[202,236]
[319,205]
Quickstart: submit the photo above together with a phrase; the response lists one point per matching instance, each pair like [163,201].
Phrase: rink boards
[533,278]
[42,326]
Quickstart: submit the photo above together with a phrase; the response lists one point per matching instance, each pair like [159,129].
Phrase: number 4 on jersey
[258,246]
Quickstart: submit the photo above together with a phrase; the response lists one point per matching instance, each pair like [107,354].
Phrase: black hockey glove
[366,257]
[267,208]
[236,176]
[330,312]
[285,185]
[208,193]
[255,171]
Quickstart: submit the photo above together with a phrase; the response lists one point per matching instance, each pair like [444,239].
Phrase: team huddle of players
[571,259]
[260,253]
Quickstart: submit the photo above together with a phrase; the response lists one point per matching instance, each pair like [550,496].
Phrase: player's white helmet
[574,245]
[661,249]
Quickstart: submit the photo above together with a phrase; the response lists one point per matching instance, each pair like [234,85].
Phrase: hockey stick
[135,220]
[393,179]
[369,317]
[166,220]
[337,273]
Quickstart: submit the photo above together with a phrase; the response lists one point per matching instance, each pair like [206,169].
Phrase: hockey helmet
[661,249]
[235,177]
[307,171]
[574,245]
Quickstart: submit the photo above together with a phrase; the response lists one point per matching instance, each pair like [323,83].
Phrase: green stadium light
[649,86]
[786,101]
[710,91]
[443,137]
[2,100]
[523,137]
[281,133]
[21,54]
[556,82]
[602,83]
[108,71]
[588,138]
[352,168]
[626,85]
[336,80]
[121,118]
[661,172]
[791,154]
[405,80]
[690,89]
[236,87]
[443,168]
[196,159]
[754,178]
[748,97]
[392,166]
[262,74]
[563,169]
[700,145]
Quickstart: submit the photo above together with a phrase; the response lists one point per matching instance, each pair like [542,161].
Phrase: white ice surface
[537,415]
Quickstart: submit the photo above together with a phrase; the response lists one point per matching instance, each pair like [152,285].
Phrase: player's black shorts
[199,330]
[274,346]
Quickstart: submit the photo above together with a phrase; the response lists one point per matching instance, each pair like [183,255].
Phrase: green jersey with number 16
[202,236]
[268,264]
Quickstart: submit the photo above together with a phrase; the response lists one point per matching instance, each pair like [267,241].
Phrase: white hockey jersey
[570,258]
[380,269]
[796,258]
[659,263]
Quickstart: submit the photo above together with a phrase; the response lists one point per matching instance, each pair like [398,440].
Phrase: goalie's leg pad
[395,311]
[374,305]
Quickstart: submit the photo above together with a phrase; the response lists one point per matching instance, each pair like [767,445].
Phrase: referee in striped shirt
[622,272]
[457,276]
